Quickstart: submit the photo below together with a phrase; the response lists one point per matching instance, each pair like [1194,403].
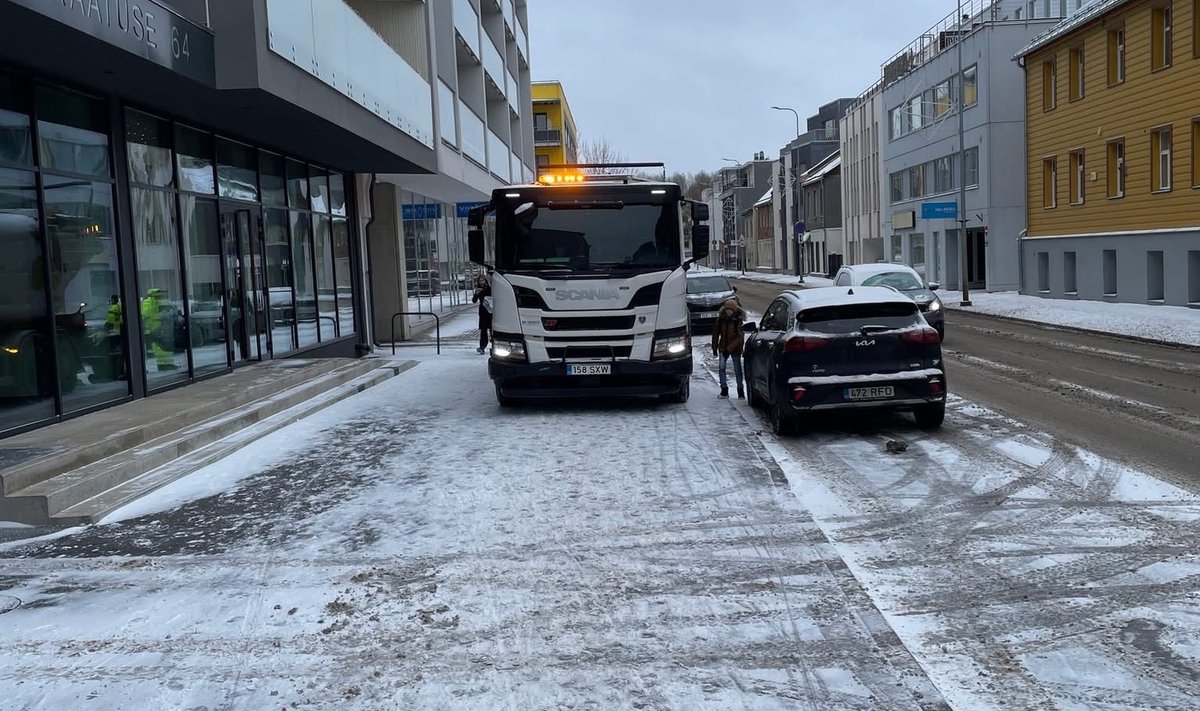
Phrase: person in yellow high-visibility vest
[152,328]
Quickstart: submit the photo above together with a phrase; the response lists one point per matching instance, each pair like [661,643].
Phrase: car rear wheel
[783,422]
[931,416]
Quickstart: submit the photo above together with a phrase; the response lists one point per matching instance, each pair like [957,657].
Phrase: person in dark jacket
[727,341]
[483,296]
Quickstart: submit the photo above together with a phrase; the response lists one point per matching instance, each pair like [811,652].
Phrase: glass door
[245,297]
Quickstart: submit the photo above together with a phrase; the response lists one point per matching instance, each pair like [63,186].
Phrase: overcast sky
[690,82]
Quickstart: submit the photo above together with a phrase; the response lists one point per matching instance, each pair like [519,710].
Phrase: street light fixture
[794,113]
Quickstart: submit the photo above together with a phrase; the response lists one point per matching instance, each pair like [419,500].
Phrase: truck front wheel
[504,400]
[681,395]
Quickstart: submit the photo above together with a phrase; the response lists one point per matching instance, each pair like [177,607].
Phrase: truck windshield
[578,237]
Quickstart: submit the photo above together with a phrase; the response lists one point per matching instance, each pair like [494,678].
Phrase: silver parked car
[904,279]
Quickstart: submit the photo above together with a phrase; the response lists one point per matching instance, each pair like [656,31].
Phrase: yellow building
[555,138]
[1113,150]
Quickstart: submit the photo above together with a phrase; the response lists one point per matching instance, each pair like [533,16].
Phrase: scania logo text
[585,294]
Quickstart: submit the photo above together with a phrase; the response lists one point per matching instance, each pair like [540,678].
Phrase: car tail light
[799,344]
[798,393]
[935,386]
[924,336]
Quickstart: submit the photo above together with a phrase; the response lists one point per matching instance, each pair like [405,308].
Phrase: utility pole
[962,164]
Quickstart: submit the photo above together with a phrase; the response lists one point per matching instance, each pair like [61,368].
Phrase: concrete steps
[132,462]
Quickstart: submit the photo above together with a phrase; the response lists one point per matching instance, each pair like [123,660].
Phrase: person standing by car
[727,343]
[483,296]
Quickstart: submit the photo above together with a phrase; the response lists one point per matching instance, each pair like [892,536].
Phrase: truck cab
[589,286]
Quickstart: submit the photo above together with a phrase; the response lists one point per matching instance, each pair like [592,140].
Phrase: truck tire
[504,400]
[682,395]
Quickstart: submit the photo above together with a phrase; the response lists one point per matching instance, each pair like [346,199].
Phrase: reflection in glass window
[84,284]
[148,145]
[318,190]
[306,293]
[323,261]
[194,155]
[343,275]
[202,250]
[72,132]
[279,281]
[16,143]
[297,184]
[26,363]
[271,182]
[160,308]
[970,86]
[337,194]
[237,171]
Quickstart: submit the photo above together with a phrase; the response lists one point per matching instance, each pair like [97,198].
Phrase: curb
[1082,331]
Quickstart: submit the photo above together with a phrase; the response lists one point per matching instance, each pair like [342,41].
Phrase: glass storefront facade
[439,276]
[235,253]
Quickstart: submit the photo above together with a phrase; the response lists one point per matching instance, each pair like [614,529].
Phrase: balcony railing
[333,43]
[522,41]
[446,104]
[493,63]
[466,21]
[547,137]
[498,156]
[474,134]
[513,92]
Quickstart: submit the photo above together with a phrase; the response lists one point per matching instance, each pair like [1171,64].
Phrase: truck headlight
[671,346]
[508,349]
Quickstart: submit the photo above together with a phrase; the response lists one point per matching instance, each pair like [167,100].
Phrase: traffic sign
[939,210]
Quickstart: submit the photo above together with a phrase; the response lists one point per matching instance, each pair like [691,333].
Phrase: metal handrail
[437,325]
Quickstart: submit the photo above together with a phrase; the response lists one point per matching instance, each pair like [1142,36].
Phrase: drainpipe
[1021,260]
[370,340]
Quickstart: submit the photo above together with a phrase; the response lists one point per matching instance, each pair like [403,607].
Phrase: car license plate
[708,314]
[589,369]
[881,392]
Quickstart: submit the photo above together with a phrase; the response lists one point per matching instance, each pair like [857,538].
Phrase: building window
[943,175]
[543,160]
[1116,168]
[1160,38]
[942,100]
[1050,182]
[897,187]
[1049,84]
[1076,89]
[1196,28]
[972,167]
[1160,168]
[1078,177]
[916,181]
[1110,272]
[970,77]
[1196,151]
[1116,55]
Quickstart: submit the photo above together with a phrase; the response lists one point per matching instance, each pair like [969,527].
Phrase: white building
[862,178]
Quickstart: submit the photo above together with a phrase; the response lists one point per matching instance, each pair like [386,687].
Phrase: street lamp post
[794,113]
[962,167]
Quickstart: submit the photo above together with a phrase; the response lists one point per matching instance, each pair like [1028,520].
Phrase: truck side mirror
[699,212]
[475,251]
[700,240]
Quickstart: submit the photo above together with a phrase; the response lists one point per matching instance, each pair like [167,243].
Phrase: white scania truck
[589,284]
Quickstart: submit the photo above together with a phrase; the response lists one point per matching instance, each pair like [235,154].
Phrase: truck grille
[587,323]
[588,352]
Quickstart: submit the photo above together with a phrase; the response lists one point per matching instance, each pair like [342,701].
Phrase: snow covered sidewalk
[1172,324]
[810,280]
[417,547]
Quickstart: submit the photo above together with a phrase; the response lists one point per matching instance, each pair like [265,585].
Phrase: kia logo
[863,344]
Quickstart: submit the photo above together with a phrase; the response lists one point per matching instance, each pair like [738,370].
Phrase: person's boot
[724,391]
[741,393]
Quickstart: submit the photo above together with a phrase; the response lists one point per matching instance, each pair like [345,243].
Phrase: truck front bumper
[629,378]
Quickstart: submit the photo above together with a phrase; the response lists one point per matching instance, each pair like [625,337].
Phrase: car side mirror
[750,327]
[934,286]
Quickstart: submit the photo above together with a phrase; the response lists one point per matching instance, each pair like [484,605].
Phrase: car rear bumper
[629,378]
[908,392]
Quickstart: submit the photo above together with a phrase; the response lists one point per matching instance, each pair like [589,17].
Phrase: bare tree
[599,150]
[698,183]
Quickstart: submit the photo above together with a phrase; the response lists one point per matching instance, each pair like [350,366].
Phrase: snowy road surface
[415,547]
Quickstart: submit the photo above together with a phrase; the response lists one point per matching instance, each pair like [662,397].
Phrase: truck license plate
[882,392]
[589,369]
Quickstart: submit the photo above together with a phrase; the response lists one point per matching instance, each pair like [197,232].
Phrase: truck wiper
[586,205]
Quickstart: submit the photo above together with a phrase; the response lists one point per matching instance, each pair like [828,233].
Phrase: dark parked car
[705,294]
[904,279]
[840,348]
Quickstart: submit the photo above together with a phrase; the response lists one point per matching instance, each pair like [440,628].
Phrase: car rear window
[707,285]
[851,318]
